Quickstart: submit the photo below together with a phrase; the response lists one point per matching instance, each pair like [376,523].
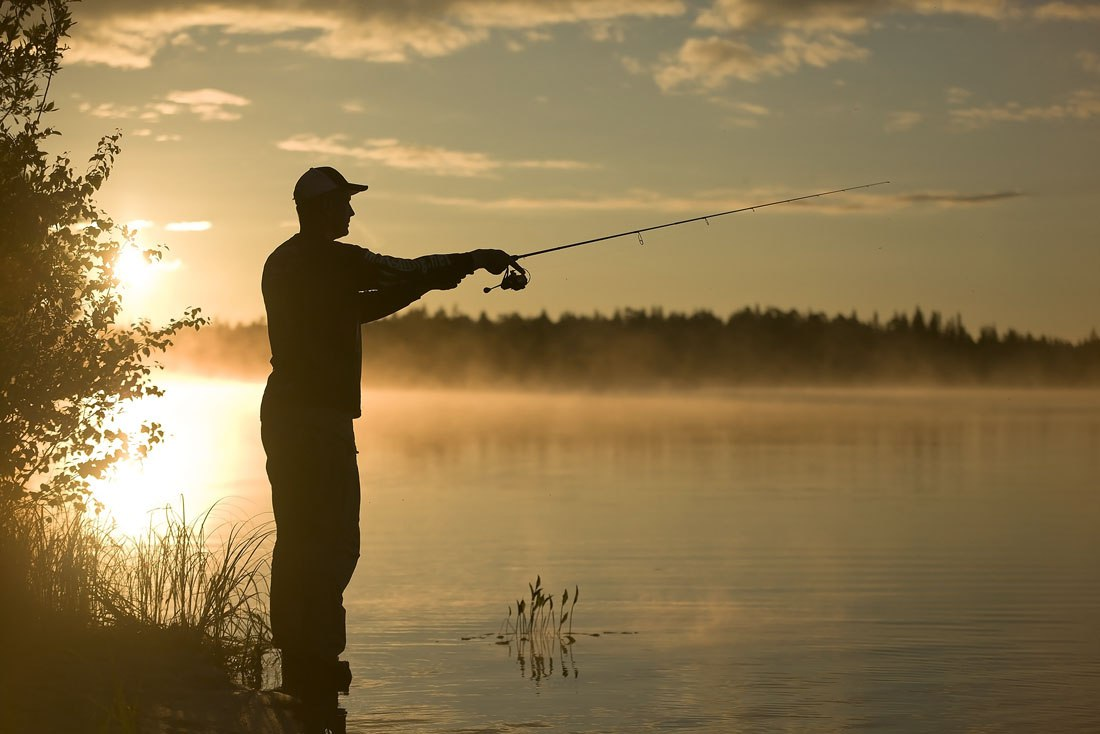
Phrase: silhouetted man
[317,292]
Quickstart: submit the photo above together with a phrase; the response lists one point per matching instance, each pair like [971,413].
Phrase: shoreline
[117,679]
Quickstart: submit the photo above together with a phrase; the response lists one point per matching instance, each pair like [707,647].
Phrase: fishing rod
[516,277]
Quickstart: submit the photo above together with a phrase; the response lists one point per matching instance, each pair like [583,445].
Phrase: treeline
[653,349]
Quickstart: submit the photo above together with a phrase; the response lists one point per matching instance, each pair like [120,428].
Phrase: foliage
[66,363]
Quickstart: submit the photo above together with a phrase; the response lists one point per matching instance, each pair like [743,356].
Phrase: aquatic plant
[536,629]
[537,618]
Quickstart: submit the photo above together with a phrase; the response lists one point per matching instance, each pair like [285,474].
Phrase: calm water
[772,560]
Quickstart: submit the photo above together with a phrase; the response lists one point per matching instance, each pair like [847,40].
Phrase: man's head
[323,199]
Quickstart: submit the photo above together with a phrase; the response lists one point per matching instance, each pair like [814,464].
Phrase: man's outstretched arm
[399,282]
[430,272]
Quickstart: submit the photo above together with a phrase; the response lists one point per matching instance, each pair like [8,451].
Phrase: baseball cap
[322,180]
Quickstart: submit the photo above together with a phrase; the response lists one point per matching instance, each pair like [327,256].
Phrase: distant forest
[653,349]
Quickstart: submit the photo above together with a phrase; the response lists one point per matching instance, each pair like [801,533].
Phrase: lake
[750,561]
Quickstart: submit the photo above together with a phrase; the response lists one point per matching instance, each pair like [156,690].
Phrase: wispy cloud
[422,158]
[1083,104]
[902,120]
[209,105]
[840,16]
[1085,11]
[129,33]
[954,199]
[713,201]
[200,226]
[958,95]
[743,114]
[1090,61]
[708,63]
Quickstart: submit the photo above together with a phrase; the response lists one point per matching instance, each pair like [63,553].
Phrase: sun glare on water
[195,467]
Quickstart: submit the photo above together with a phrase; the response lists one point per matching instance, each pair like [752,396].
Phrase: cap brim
[356,188]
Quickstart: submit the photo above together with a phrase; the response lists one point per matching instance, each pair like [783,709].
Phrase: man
[317,292]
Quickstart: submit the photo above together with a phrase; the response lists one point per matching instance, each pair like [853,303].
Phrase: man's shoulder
[298,256]
[286,249]
[299,246]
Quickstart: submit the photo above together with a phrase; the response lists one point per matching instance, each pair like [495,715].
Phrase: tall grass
[204,580]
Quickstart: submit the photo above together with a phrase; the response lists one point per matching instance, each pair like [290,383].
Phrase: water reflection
[792,560]
[207,458]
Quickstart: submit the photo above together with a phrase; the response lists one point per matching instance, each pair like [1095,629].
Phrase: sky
[523,124]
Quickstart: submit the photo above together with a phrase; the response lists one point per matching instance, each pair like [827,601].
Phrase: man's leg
[315,495]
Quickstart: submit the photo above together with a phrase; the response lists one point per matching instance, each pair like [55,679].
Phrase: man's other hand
[495,261]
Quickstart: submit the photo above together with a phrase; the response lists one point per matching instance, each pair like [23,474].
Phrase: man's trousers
[311,463]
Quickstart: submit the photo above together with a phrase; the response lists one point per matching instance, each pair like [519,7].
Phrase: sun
[134,272]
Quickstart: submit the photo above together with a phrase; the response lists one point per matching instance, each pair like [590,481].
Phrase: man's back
[310,293]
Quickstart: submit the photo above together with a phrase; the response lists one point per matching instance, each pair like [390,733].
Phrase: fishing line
[516,277]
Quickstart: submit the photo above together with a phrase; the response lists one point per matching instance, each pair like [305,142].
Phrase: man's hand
[495,261]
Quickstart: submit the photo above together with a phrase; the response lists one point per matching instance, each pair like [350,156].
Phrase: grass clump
[200,584]
[206,581]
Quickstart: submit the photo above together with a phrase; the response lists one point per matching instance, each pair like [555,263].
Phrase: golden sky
[521,124]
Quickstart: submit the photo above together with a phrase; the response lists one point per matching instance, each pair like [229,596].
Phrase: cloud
[854,16]
[209,105]
[188,226]
[950,199]
[814,33]
[129,33]
[421,158]
[1068,11]
[528,37]
[745,114]
[708,63]
[109,110]
[1083,104]
[641,200]
[606,32]
[840,16]
[1090,61]
[958,95]
[902,120]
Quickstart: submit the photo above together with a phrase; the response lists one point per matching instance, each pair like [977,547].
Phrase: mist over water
[784,559]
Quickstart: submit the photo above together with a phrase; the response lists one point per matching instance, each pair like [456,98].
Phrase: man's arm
[374,305]
[430,272]
[383,272]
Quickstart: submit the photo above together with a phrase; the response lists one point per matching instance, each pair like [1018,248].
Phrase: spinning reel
[515,279]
